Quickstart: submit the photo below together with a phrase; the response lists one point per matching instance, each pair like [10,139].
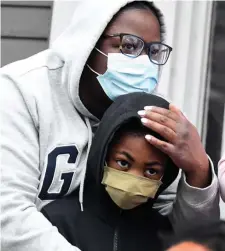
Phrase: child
[221,177]
[125,175]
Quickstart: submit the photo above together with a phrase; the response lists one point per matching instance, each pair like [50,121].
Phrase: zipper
[115,239]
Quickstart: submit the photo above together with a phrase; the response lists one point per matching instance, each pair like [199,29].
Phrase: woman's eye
[122,163]
[129,46]
[154,52]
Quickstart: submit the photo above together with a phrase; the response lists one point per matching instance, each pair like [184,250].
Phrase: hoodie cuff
[199,196]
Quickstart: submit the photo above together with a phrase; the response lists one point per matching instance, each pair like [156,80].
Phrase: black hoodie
[103,226]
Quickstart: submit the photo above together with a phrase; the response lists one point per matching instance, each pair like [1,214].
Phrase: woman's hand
[183,144]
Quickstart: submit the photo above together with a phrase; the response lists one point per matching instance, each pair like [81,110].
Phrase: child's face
[135,155]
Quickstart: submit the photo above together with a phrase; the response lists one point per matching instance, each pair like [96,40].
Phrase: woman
[52,102]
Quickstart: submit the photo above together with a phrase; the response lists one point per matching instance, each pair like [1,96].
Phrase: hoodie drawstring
[81,191]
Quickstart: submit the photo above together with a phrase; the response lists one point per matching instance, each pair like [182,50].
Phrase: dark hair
[210,234]
[145,5]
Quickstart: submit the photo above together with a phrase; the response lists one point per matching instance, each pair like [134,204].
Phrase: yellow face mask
[128,190]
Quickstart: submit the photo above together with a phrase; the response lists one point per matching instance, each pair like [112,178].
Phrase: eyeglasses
[132,46]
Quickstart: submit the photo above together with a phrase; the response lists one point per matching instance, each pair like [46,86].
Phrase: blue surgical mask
[126,75]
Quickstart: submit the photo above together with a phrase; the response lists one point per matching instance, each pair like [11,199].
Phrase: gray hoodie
[46,135]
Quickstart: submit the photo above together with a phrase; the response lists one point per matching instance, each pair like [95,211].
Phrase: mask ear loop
[101,52]
[161,178]
[98,74]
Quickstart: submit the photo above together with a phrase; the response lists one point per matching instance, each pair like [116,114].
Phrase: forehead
[139,148]
[142,23]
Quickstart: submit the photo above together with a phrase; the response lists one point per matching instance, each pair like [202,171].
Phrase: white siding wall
[25,28]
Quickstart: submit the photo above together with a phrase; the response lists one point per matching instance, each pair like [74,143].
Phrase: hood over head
[75,44]
[123,110]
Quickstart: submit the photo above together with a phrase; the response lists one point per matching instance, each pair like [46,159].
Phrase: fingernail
[148,137]
[148,108]
[144,120]
[142,113]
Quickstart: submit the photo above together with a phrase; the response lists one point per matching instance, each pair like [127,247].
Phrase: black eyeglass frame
[146,46]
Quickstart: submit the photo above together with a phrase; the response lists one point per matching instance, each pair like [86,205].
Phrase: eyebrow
[132,159]
[126,154]
[154,163]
